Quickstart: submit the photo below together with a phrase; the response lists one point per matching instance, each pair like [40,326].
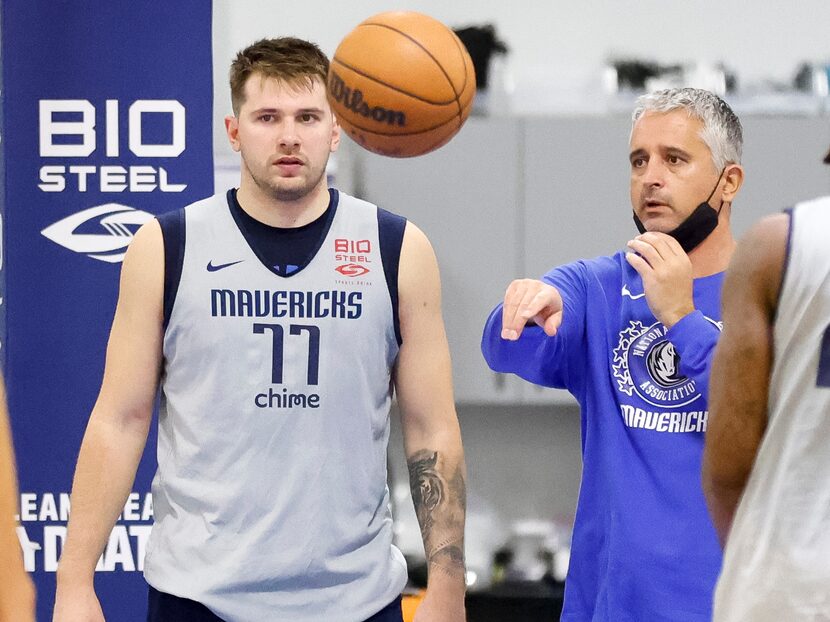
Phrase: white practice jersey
[270,499]
[777,561]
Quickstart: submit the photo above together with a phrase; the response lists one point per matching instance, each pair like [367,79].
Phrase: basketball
[401,84]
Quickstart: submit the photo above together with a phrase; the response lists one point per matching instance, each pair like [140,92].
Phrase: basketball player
[276,318]
[631,336]
[17,594]
[766,463]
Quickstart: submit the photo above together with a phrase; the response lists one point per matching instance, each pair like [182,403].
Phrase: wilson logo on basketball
[352,99]
[352,269]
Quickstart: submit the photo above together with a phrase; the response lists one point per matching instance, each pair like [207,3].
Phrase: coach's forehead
[675,128]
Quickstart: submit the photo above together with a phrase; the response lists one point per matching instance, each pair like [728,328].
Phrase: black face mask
[697,226]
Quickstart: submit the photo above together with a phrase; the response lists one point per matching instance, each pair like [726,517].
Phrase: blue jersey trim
[390,233]
[162,606]
[254,241]
[173,233]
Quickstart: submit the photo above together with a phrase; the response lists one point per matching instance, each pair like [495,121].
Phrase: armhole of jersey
[790,212]
[390,233]
[173,232]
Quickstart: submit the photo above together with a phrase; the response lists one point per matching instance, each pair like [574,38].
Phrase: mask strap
[711,194]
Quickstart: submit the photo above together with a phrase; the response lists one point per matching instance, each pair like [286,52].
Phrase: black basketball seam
[418,43]
[458,44]
[376,133]
[393,88]
[435,60]
[442,141]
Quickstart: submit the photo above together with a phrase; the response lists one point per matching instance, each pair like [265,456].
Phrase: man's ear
[336,133]
[232,129]
[734,177]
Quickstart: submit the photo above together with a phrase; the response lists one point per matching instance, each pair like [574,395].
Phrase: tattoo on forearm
[448,556]
[426,485]
[440,504]
[459,489]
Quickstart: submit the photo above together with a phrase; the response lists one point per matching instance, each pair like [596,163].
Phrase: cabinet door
[576,198]
[576,190]
[782,161]
[466,197]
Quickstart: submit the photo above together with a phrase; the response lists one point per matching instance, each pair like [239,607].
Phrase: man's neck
[285,214]
[713,254]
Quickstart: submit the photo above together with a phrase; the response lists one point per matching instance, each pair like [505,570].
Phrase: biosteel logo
[352,269]
[103,232]
[355,253]
[74,130]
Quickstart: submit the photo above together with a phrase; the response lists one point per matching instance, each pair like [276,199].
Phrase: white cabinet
[576,190]
[576,199]
[783,163]
[466,197]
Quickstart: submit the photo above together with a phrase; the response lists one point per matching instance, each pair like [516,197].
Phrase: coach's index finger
[523,301]
[510,316]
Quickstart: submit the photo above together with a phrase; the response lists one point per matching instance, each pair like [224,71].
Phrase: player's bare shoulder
[759,259]
[418,258]
[770,231]
[147,244]
[142,273]
[419,283]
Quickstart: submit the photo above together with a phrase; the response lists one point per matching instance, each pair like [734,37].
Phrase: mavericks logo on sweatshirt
[646,363]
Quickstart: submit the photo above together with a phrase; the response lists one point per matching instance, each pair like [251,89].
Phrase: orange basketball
[401,84]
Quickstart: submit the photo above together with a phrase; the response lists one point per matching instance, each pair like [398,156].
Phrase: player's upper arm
[423,373]
[134,355]
[754,276]
[743,358]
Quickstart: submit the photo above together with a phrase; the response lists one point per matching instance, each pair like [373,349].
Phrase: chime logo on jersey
[646,363]
[103,232]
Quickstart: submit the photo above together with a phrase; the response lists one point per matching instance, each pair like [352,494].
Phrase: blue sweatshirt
[643,549]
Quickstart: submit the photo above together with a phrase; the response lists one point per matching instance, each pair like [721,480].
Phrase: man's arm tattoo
[427,487]
[440,507]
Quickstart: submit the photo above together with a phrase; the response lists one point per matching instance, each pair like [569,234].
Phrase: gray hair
[721,131]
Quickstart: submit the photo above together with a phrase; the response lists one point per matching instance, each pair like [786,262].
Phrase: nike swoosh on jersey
[212,268]
[626,292]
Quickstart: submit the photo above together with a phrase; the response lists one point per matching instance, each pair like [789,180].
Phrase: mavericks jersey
[270,498]
[777,560]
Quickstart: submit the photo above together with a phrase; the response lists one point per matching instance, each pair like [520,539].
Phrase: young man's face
[672,171]
[285,134]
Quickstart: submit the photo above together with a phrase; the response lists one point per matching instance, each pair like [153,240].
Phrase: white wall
[559,43]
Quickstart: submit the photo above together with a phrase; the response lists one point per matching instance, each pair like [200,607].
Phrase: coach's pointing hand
[530,300]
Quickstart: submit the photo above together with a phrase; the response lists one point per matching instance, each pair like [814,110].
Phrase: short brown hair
[288,59]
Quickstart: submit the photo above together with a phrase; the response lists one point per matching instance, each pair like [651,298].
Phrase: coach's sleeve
[694,338]
[535,356]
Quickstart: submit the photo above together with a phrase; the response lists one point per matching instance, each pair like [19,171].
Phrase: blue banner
[107,113]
